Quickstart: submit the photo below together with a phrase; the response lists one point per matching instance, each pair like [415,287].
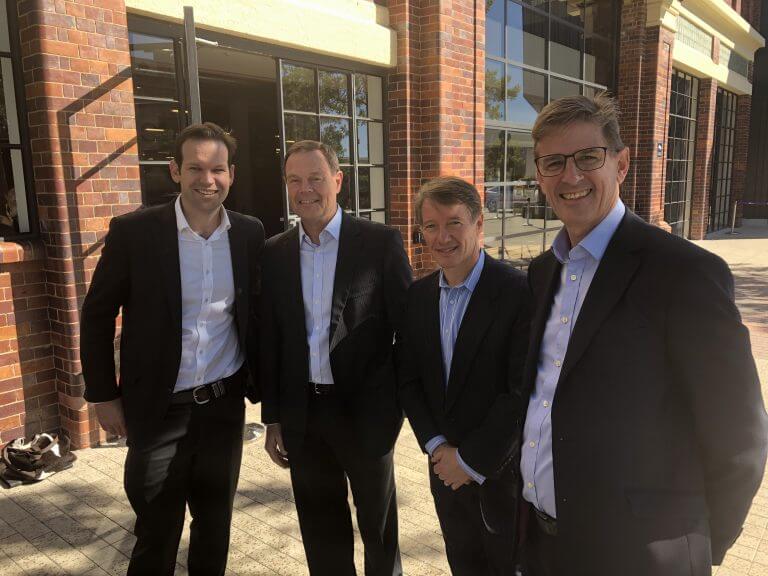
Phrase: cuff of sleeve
[479,478]
[434,443]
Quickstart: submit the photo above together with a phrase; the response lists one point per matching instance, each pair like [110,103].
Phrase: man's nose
[207,177]
[571,172]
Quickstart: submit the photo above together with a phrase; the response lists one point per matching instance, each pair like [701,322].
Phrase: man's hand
[275,447]
[110,416]
[447,467]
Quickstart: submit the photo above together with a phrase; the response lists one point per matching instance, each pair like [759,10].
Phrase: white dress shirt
[318,270]
[210,349]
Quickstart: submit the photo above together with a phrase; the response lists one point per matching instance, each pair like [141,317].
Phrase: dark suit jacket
[369,292]
[481,409]
[658,424]
[139,271]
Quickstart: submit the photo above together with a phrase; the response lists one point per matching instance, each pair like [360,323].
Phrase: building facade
[95,91]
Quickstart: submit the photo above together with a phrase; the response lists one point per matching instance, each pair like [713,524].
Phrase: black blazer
[139,271]
[482,407]
[658,424]
[369,293]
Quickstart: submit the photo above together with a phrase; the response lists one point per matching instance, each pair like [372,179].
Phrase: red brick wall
[702,176]
[82,134]
[738,182]
[29,403]
[436,103]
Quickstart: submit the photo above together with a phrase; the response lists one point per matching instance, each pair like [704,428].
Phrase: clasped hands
[446,465]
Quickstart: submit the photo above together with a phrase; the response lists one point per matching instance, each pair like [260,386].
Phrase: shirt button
[453,301]
[445,331]
[530,484]
[573,277]
[558,363]
[564,319]
[545,403]
[532,444]
[317,275]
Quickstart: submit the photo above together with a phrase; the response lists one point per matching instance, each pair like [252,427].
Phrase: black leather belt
[208,392]
[546,523]
[321,389]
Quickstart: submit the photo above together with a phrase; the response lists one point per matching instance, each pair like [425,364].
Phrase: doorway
[238,91]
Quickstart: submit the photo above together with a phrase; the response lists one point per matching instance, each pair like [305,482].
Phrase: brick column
[740,151]
[702,175]
[436,103]
[82,132]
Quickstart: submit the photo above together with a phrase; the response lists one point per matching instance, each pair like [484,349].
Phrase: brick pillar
[740,151]
[645,68]
[82,132]
[436,103]
[702,175]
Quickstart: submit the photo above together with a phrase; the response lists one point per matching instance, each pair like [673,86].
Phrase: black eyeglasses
[586,160]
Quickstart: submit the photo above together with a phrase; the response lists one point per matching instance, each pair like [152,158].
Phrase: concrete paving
[79,521]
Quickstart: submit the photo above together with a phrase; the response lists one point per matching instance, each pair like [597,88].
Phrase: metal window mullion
[354,153]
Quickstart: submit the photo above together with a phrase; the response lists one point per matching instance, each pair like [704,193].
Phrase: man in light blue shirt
[645,435]
[466,337]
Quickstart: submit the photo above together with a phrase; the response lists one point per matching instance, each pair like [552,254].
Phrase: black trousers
[321,462]
[192,457]
[539,550]
[471,549]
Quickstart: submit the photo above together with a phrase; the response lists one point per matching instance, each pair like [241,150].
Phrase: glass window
[526,95]
[14,197]
[571,11]
[720,202]
[526,36]
[598,60]
[347,116]
[494,155]
[153,66]
[494,27]
[559,88]
[494,90]
[565,49]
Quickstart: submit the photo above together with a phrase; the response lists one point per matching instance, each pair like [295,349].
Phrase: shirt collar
[182,224]
[470,282]
[333,228]
[594,243]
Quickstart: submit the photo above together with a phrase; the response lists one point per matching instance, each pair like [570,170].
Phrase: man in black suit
[186,276]
[333,300]
[645,436]
[461,384]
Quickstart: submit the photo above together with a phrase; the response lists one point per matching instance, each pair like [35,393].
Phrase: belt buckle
[196,399]
[321,389]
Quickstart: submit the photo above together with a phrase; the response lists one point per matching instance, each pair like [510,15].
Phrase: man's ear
[622,164]
[175,172]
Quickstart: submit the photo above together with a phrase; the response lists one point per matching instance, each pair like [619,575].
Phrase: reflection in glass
[368,96]
[152,66]
[565,49]
[334,92]
[3,108]
[520,164]
[600,17]
[560,88]
[344,198]
[571,11]
[494,28]
[157,187]
[598,61]
[300,127]
[299,92]
[157,125]
[335,132]
[526,95]
[370,183]
[494,155]
[526,36]
[494,90]
[370,142]
[9,214]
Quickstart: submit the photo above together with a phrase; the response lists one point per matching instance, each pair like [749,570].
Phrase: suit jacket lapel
[238,249]
[477,318]
[291,283]
[432,331]
[613,275]
[346,261]
[547,281]
[168,246]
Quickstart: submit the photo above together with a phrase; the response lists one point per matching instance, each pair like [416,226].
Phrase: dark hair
[601,110]
[204,131]
[311,146]
[449,190]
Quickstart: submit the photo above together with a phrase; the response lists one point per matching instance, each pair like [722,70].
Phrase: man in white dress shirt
[186,276]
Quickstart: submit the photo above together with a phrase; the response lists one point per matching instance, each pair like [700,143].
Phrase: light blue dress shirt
[579,266]
[318,269]
[453,304]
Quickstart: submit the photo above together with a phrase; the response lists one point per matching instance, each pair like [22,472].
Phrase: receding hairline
[553,128]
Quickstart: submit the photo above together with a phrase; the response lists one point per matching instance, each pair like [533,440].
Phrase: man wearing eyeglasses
[645,437]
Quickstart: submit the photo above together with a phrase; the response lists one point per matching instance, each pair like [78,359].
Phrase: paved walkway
[79,522]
